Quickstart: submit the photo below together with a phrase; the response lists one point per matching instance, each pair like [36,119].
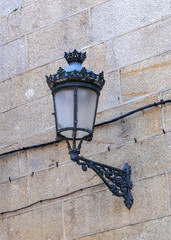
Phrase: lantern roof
[75,72]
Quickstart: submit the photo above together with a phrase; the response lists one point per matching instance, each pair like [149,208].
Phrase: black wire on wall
[97,125]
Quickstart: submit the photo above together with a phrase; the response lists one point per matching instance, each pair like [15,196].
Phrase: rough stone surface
[15,194]
[146,77]
[138,126]
[27,19]
[156,229]
[32,85]
[42,223]
[21,121]
[111,92]
[6,100]
[154,155]
[13,58]
[27,2]
[10,167]
[3,30]
[9,6]
[3,230]
[60,180]
[95,59]
[86,214]
[118,17]
[50,43]
[42,158]
[138,45]
[167,111]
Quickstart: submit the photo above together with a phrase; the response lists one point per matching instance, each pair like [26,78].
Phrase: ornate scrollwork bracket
[117,180]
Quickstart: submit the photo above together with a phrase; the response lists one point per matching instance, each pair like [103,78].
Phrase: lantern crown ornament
[75,72]
[76,91]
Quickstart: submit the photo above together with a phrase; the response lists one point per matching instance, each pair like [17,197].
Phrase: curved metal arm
[117,180]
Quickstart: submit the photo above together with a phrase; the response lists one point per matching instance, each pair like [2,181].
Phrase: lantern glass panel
[86,107]
[64,107]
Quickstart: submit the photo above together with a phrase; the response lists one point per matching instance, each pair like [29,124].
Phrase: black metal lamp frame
[117,180]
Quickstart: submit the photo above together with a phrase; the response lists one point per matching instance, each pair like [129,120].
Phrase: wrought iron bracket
[117,180]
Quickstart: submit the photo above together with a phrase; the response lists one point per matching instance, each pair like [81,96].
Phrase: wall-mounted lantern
[75,91]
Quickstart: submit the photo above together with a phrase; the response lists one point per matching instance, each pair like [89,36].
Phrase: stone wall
[129,40]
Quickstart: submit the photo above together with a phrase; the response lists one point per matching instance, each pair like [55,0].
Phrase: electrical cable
[96,125]
[50,199]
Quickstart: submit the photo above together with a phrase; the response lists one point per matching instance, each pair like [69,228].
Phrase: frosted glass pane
[86,108]
[64,104]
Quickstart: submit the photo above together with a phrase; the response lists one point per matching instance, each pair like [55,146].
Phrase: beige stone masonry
[27,19]
[154,155]
[32,85]
[42,223]
[85,215]
[14,194]
[49,43]
[43,158]
[13,58]
[3,30]
[137,126]
[150,230]
[138,45]
[27,121]
[59,181]
[3,232]
[12,167]
[115,18]
[6,102]
[146,77]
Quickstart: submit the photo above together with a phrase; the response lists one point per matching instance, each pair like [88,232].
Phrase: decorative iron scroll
[118,181]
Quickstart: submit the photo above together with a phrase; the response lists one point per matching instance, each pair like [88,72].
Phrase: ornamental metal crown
[75,73]
[75,56]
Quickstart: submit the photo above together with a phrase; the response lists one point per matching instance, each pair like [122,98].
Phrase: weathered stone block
[42,223]
[9,6]
[111,92]
[95,59]
[149,76]
[167,111]
[77,6]
[3,30]
[86,214]
[59,181]
[43,158]
[34,118]
[114,18]
[13,58]
[3,229]
[27,19]
[138,126]
[155,229]
[154,155]
[27,2]
[10,167]
[6,99]
[14,194]
[50,43]
[32,85]
[138,45]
